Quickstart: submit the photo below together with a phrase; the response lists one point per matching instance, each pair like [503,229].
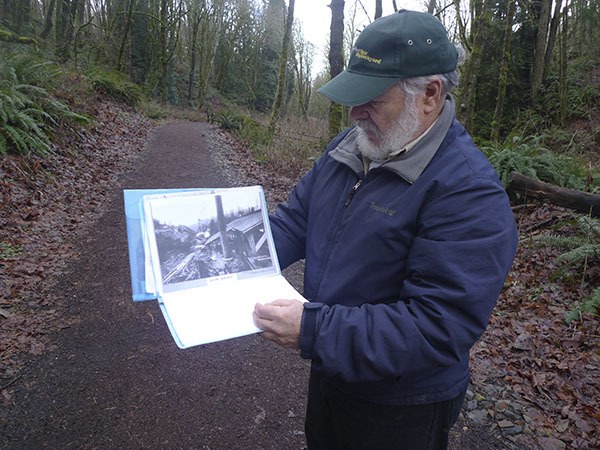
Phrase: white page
[222,310]
[148,269]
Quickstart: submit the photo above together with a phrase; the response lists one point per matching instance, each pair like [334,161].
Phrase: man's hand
[280,321]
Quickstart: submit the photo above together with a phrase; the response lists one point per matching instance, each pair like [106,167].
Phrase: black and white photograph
[203,235]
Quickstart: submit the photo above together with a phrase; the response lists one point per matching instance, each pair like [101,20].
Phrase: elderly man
[407,235]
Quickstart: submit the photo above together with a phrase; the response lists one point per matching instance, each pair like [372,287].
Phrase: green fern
[560,242]
[530,158]
[229,120]
[590,305]
[582,250]
[28,110]
[3,146]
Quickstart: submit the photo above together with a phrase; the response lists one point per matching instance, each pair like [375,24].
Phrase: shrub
[253,133]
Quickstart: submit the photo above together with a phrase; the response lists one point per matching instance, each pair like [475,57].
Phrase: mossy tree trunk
[541,43]
[163,47]
[139,45]
[66,15]
[210,35]
[563,89]
[479,31]
[48,22]
[283,60]
[195,18]
[125,33]
[303,68]
[504,67]
[552,38]
[336,60]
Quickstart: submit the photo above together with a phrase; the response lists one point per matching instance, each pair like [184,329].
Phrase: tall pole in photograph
[222,228]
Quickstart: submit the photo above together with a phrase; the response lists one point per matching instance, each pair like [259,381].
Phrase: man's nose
[359,113]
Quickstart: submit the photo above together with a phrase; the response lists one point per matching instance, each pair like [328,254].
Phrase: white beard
[402,132]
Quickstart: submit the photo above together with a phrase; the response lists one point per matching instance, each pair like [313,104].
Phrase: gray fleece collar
[408,165]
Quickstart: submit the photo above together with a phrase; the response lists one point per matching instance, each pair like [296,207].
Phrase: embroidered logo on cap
[363,54]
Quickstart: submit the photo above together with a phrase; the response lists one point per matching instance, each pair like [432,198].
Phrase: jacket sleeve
[456,268]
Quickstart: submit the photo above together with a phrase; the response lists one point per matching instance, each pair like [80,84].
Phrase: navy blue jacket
[403,265]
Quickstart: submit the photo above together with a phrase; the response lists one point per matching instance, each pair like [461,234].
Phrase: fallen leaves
[550,368]
[45,204]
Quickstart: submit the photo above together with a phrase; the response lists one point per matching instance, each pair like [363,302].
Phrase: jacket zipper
[352,192]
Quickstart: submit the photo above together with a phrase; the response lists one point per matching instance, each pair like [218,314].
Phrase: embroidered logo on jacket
[383,209]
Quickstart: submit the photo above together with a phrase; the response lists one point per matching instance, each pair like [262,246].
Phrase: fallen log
[9,36]
[579,201]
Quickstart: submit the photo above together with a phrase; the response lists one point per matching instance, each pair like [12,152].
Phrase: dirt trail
[115,379]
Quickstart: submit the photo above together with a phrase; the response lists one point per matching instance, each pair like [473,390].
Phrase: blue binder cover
[134,218]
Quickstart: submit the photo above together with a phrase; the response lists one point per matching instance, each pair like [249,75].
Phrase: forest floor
[82,366]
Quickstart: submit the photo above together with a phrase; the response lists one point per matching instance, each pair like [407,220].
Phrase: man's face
[387,123]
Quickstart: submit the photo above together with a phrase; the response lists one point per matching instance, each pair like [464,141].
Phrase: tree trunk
[541,42]
[579,201]
[563,89]
[336,60]
[302,69]
[479,31]
[552,38]
[378,9]
[195,19]
[48,20]
[283,59]
[462,29]
[163,43]
[139,45]
[128,21]
[431,4]
[210,35]
[65,28]
[21,15]
[62,20]
[503,78]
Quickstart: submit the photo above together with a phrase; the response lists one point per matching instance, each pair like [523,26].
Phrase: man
[407,235]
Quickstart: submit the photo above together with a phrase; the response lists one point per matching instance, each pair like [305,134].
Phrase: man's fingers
[271,311]
[264,312]
[260,321]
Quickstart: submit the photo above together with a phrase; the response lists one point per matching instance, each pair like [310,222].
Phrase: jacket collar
[409,165]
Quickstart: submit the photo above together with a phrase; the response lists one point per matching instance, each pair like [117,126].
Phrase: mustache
[367,125]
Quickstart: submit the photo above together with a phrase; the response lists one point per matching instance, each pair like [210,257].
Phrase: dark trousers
[337,421]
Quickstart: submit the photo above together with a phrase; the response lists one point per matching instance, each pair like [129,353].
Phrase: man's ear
[432,98]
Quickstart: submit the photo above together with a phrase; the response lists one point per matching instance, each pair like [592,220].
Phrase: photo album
[207,256]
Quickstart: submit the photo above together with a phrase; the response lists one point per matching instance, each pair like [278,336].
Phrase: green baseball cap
[405,44]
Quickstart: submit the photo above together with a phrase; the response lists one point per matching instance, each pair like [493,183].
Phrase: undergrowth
[292,149]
